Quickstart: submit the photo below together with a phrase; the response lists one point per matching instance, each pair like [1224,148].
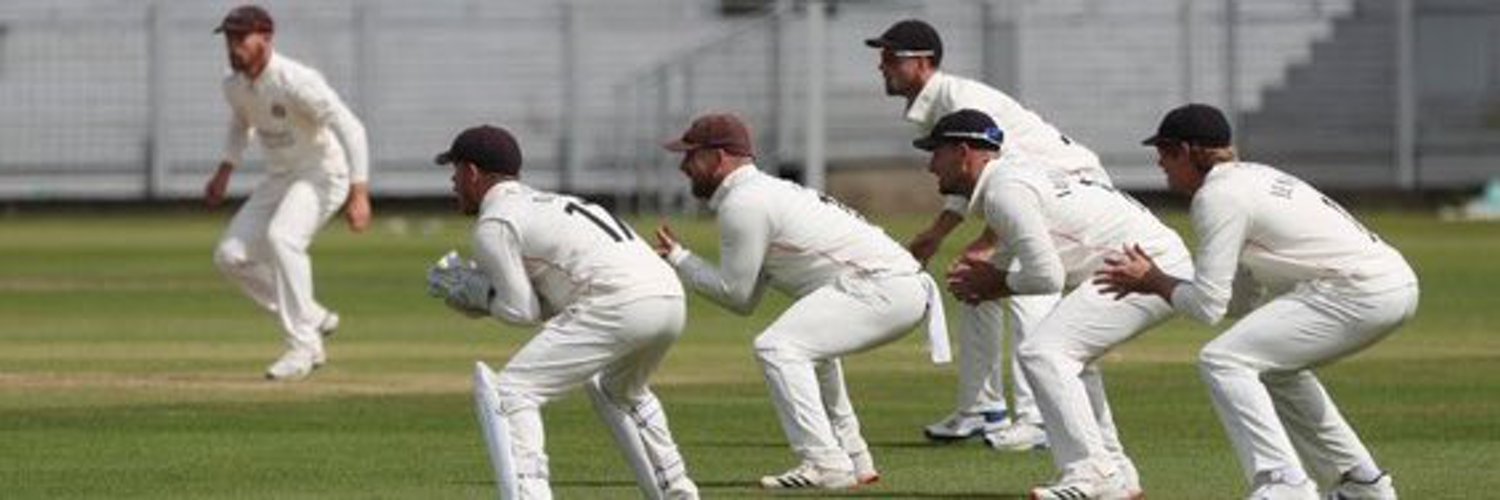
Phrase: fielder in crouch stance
[1055,229]
[910,55]
[609,310]
[1338,290]
[301,124]
[856,289]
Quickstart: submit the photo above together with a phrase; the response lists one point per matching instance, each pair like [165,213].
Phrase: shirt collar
[979,185]
[735,178]
[921,108]
[500,190]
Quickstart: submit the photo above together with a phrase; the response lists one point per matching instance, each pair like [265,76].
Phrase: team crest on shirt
[277,110]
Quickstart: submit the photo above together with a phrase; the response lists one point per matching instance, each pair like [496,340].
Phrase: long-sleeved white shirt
[1024,130]
[299,119]
[1056,228]
[544,252]
[793,238]
[1284,232]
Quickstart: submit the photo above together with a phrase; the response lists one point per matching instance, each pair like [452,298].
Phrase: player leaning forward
[316,160]
[856,289]
[911,53]
[1340,290]
[609,310]
[1055,230]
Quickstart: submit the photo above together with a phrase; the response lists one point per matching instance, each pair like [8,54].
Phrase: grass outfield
[130,369]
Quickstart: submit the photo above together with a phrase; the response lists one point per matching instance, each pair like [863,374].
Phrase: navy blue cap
[1195,124]
[965,125]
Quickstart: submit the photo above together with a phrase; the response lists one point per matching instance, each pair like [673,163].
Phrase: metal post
[1406,99]
[1232,63]
[157,101]
[785,116]
[770,148]
[815,161]
[570,144]
[664,189]
[1185,50]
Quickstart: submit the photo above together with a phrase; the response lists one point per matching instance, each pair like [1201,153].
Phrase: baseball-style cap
[247,19]
[715,131]
[1196,124]
[910,38]
[965,125]
[490,148]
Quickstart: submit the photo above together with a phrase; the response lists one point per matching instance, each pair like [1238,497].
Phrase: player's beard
[703,189]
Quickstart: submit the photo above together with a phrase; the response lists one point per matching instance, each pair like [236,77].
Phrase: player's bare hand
[213,191]
[357,207]
[666,240]
[1131,271]
[924,246]
[973,282]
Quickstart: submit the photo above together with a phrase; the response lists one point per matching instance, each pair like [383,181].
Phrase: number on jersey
[620,231]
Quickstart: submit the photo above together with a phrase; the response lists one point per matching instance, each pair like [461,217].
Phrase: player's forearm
[944,224]
[351,134]
[705,278]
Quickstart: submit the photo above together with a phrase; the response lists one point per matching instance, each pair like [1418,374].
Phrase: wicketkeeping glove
[461,285]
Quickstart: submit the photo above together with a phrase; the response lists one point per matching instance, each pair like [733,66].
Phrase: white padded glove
[461,285]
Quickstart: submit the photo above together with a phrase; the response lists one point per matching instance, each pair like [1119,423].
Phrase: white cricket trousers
[1259,374]
[799,354]
[982,358]
[1060,359]
[264,250]
[611,351]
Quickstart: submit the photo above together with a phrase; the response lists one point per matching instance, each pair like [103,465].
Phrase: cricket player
[316,161]
[1055,229]
[608,306]
[910,54]
[1336,289]
[856,289]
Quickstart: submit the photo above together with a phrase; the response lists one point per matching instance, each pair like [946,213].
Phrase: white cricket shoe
[1278,490]
[809,476]
[1018,436]
[1086,484]
[864,468]
[295,364]
[960,426]
[1382,488]
[326,328]
[329,325]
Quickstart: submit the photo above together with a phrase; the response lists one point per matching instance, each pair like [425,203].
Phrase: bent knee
[1216,359]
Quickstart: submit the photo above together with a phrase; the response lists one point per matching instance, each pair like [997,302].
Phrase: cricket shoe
[1018,436]
[1382,488]
[295,364]
[1086,484]
[326,328]
[1279,490]
[329,325]
[864,468]
[961,426]
[809,476]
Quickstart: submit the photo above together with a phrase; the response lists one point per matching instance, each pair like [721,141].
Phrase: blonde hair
[1204,158]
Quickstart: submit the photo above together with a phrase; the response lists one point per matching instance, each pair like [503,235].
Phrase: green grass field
[130,369]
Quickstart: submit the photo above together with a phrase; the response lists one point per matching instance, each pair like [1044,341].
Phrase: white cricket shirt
[796,238]
[1024,130]
[297,118]
[545,251]
[1056,229]
[1284,232]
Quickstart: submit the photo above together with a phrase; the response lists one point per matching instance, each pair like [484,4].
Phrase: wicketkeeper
[609,309]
